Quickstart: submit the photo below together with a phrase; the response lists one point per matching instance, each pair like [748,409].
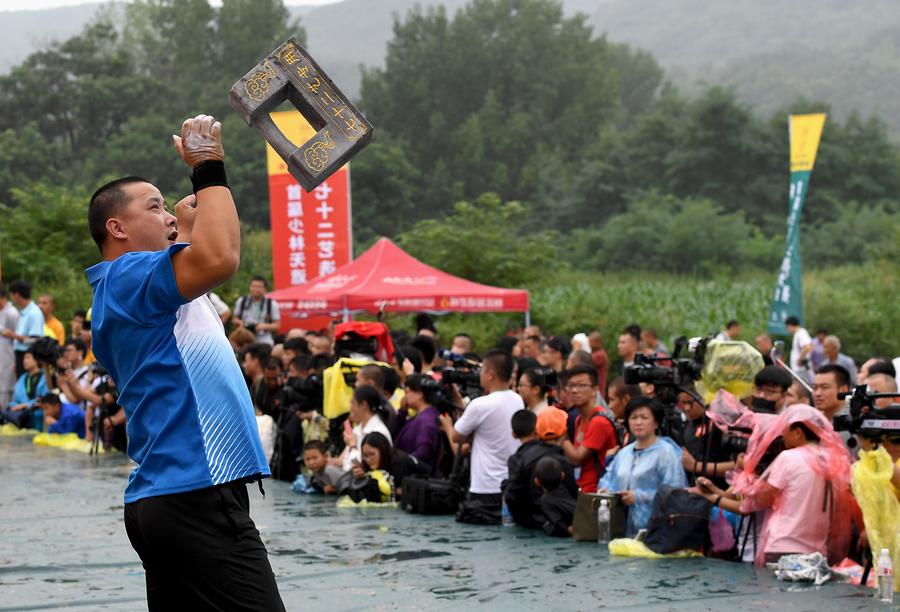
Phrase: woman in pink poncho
[805,490]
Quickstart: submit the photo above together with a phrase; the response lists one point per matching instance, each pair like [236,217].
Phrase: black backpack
[680,521]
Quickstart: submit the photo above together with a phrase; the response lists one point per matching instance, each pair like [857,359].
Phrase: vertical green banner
[805,132]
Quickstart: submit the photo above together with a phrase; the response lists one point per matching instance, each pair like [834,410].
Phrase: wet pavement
[63,546]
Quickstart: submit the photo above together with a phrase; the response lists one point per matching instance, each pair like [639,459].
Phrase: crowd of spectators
[553,418]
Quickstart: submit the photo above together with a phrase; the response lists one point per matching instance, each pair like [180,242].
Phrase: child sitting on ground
[557,504]
[323,476]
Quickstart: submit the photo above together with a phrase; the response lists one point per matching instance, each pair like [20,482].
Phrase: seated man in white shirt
[487,422]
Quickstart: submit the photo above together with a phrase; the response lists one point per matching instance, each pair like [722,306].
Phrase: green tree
[490,99]
[483,240]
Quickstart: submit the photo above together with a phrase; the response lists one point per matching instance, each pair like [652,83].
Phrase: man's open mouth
[173,236]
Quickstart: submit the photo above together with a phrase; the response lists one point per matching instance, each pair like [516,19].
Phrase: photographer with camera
[257,313]
[487,422]
[31,386]
[104,419]
[805,489]
[702,453]
[62,418]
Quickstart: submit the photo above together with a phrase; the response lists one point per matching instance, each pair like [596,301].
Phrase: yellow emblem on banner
[805,131]
[296,129]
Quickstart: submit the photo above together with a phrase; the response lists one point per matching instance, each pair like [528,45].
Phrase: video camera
[670,380]
[865,419]
[679,376]
[465,373]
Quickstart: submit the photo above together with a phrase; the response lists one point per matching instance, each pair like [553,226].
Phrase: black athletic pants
[201,551]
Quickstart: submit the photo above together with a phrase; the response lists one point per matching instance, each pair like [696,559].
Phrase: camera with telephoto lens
[301,394]
[865,419]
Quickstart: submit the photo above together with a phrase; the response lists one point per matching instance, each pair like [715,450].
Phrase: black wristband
[210,173]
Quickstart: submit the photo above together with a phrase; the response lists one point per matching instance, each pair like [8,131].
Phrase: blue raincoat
[644,471]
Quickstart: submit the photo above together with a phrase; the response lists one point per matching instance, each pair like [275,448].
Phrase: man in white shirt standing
[9,318]
[487,422]
[801,346]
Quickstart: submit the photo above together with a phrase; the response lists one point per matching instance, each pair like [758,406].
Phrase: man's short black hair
[623,389]
[731,323]
[298,345]
[427,346]
[107,202]
[633,330]
[79,345]
[373,373]
[261,279]
[316,445]
[560,345]
[391,380]
[501,362]
[80,313]
[773,375]
[300,362]
[792,320]
[883,366]
[51,398]
[21,287]
[548,472]
[583,369]
[523,423]
[273,363]
[2,292]
[413,354]
[423,321]
[258,351]
[841,375]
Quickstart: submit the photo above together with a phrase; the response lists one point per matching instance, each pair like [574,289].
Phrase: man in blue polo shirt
[62,418]
[191,426]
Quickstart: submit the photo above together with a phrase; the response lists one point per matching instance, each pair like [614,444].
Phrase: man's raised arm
[211,220]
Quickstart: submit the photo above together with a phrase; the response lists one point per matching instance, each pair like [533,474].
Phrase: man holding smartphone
[191,425]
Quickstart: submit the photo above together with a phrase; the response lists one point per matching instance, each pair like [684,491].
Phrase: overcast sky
[15,5]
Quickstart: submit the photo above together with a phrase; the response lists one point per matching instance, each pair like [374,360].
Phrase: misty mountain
[772,52]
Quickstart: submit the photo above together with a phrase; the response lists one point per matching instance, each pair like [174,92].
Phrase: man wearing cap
[521,494]
[191,426]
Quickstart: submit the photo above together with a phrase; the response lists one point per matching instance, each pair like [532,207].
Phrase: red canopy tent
[386,278]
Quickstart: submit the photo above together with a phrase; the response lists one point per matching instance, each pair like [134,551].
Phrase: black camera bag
[435,495]
[680,521]
[429,496]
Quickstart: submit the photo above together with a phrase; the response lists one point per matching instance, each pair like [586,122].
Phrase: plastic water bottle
[603,522]
[884,577]
[505,515]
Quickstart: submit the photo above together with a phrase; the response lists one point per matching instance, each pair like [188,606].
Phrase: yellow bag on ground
[8,429]
[68,441]
[629,547]
[870,480]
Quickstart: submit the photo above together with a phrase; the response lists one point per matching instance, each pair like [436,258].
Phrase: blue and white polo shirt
[191,423]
